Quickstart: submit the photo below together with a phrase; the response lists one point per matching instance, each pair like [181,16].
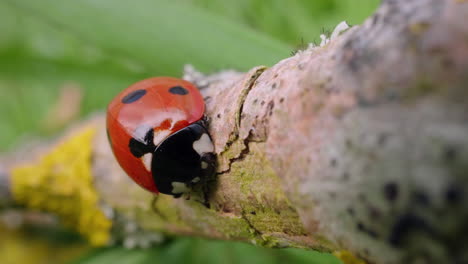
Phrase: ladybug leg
[155,209]
[205,121]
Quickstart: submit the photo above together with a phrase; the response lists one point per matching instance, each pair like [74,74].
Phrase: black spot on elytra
[178,90]
[133,96]
[391,191]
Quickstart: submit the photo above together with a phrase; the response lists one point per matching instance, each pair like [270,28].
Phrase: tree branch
[361,144]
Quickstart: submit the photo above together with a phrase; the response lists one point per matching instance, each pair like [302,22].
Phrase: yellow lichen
[61,183]
[347,257]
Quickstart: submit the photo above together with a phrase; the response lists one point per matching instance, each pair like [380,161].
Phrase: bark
[360,145]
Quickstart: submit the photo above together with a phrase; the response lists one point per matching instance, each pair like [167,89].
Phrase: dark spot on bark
[450,153]
[454,194]
[372,233]
[253,213]
[218,115]
[375,19]
[391,191]
[447,63]
[374,213]
[404,225]
[262,103]
[273,86]
[255,101]
[382,139]
[364,102]
[270,107]
[361,227]
[332,195]
[346,176]
[333,162]
[391,96]
[281,100]
[421,198]
[133,96]
[350,211]
[362,197]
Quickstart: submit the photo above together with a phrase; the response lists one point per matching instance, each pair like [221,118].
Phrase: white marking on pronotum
[196,179]
[140,133]
[146,159]
[153,118]
[203,145]
[179,187]
[159,136]
[204,165]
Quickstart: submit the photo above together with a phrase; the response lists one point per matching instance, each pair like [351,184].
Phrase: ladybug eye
[178,90]
[133,96]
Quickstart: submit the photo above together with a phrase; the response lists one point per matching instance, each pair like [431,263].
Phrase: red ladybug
[157,133]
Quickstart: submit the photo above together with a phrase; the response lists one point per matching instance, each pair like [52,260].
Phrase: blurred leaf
[198,251]
[294,20]
[159,35]
[30,87]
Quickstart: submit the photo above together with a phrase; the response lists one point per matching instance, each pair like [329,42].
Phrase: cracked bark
[360,144]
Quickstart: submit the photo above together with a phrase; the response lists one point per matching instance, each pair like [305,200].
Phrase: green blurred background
[54,52]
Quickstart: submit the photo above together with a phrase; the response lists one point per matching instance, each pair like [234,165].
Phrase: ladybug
[157,131]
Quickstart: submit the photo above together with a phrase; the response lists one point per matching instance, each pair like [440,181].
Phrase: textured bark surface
[361,144]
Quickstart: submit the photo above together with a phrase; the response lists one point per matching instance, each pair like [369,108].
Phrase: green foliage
[103,46]
[198,251]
